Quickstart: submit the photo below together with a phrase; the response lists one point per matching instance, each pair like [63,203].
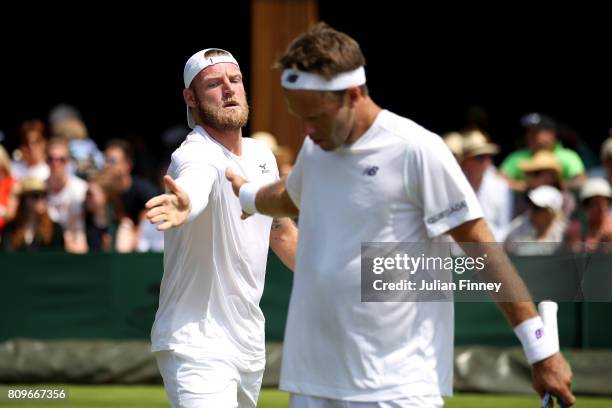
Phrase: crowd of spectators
[542,199]
[59,190]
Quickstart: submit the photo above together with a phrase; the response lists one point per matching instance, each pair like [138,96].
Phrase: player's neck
[230,139]
[366,112]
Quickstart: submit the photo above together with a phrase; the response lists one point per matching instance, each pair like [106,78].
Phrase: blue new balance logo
[371,171]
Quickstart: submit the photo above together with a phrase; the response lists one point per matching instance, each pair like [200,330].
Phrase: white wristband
[247,194]
[537,343]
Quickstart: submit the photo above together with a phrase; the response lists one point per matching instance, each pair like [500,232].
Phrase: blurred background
[123,70]
[91,109]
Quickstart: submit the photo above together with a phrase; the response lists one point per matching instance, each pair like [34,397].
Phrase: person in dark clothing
[107,226]
[134,191]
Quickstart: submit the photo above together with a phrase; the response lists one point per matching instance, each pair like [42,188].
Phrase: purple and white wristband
[537,343]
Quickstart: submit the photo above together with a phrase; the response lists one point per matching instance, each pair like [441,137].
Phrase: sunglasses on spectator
[37,195]
[61,159]
[482,157]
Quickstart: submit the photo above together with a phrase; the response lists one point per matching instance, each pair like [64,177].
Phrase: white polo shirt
[496,199]
[66,206]
[397,183]
[214,265]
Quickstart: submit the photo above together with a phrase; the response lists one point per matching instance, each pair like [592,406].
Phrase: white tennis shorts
[211,382]
[306,401]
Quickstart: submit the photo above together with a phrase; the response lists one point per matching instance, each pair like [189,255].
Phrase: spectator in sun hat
[32,229]
[595,200]
[541,134]
[454,141]
[492,190]
[544,169]
[541,228]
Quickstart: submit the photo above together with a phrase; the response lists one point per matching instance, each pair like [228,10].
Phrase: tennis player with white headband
[208,335]
[365,174]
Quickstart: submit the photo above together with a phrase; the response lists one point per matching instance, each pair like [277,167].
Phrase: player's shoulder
[408,133]
[196,147]
[256,147]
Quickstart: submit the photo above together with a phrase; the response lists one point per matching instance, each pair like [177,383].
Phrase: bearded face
[220,98]
[228,114]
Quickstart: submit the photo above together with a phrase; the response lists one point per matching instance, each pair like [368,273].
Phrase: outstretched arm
[548,374]
[271,199]
[171,209]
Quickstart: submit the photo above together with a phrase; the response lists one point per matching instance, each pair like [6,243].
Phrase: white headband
[294,79]
[195,64]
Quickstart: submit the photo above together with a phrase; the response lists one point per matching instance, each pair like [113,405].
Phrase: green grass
[139,396]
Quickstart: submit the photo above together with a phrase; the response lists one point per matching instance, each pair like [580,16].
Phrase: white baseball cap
[196,63]
[546,197]
[595,187]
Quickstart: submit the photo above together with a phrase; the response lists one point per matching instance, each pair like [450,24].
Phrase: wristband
[537,343]
[247,194]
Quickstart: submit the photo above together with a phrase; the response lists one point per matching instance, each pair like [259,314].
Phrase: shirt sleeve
[572,164]
[509,166]
[434,179]
[294,179]
[195,175]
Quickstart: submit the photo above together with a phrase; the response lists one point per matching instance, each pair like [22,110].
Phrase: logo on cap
[292,78]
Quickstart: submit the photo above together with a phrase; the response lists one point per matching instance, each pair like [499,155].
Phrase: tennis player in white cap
[208,335]
[365,174]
